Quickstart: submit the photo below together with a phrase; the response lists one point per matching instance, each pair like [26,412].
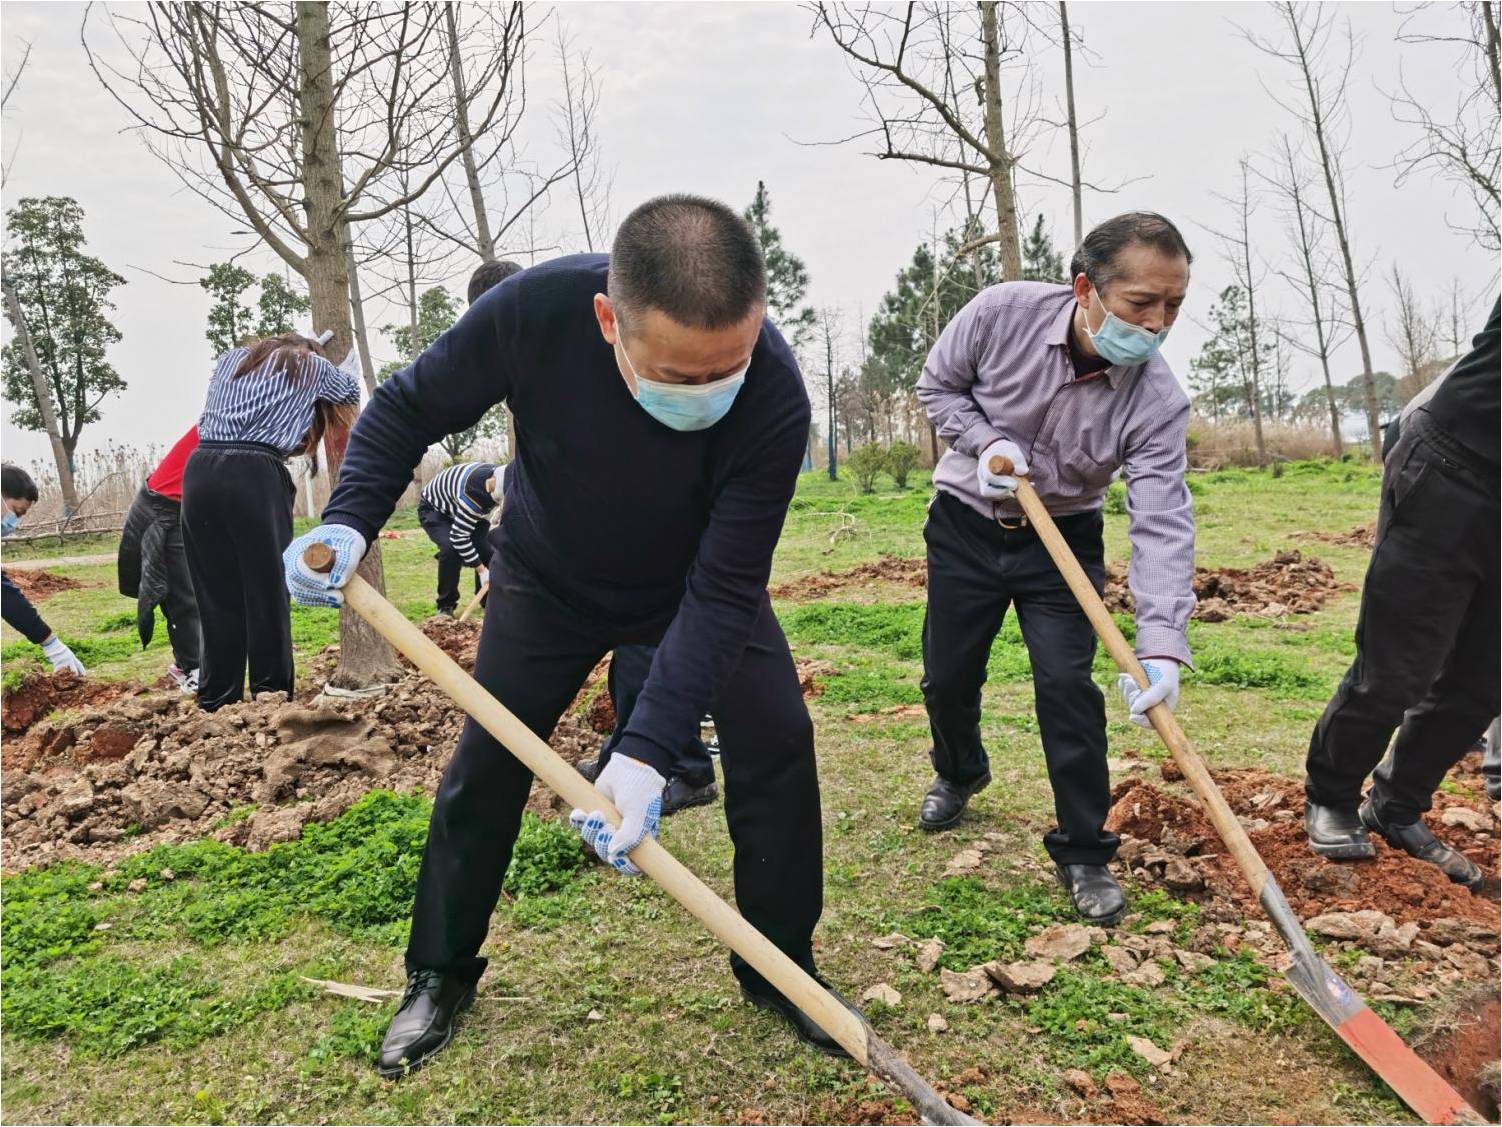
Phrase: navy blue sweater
[631,524]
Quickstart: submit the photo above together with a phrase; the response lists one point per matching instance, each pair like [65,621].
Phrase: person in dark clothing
[267,400]
[691,779]
[453,510]
[488,275]
[152,564]
[17,494]
[1426,637]
[662,422]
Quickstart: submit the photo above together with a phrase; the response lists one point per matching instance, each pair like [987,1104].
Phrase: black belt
[244,448]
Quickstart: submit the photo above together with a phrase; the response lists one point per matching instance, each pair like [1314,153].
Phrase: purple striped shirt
[1001,369]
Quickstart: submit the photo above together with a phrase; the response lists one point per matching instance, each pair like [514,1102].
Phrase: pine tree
[787,277]
[1040,261]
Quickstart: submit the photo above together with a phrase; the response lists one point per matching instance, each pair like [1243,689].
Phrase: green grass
[604,1001]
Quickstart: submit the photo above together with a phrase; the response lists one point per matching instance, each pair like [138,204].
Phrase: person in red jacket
[153,563]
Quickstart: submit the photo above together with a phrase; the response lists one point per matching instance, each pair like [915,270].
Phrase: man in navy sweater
[661,424]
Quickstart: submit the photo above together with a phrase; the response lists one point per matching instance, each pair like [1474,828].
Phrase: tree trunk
[996,141]
[365,658]
[486,243]
[60,454]
[1074,131]
[1255,396]
[1337,217]
[357,312]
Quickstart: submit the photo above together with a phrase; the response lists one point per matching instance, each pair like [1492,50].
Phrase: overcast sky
[711,97]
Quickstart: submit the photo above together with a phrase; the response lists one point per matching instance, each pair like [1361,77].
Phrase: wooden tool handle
[723,921]
[1221,815]
[480,594]
[1000,465]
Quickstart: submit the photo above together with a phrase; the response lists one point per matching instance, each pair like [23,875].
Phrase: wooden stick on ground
[727,925]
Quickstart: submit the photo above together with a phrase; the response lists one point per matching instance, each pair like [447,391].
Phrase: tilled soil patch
[38,585]
[1362,536]
[1289,583]
[867,582]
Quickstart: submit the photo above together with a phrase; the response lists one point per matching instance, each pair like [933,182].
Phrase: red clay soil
[41,694]
[39,585]
[1362,536]
[1462,1047]
[1289,583]
[875,578]
[1394,883]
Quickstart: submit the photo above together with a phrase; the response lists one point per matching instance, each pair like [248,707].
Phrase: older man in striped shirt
[1066,381]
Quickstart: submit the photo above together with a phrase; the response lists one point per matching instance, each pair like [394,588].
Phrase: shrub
[902,459]
[865,462]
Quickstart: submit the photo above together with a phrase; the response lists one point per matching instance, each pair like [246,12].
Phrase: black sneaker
[1417,840]
[806,1029]
[424,1022]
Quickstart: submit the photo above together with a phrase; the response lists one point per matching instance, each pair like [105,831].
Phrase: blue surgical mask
[1122,342]
[8,523]
[686,407]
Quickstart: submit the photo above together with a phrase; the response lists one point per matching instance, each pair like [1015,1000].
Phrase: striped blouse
[272,410]
[459,493]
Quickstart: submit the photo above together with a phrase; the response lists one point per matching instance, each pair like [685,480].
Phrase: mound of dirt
[138,768]
[42,694]
[866,582]
[37,585]
[1460,1044]
[1289,583]
[1362,536]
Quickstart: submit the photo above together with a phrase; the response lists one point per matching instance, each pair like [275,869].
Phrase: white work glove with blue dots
[636,791]
[310,588]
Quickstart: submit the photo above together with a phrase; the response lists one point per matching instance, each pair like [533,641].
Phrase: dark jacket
[142,561]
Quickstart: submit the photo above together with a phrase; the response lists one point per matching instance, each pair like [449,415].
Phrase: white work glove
[1163,688]
[636,791]
[310,588]
[61,657]
[484,573]
[999,487]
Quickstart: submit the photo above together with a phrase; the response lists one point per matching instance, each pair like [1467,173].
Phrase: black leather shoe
[1337,835]
[1417,840]
[945,801]
[680,794]
[803,1025]
[424,1023]
[589,768]
[1093,891]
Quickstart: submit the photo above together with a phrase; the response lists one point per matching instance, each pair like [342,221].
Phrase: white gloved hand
[999,487]
[314,589]
[1163,688]
[61,657]
[636,791]
[484,573]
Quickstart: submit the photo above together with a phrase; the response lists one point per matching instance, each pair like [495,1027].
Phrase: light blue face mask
[8,523]
[686,407]
[1122,342]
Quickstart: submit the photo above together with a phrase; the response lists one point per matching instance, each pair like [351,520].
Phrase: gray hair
[1097,255]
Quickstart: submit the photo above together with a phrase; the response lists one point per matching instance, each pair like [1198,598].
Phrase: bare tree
[28,353]
[1321,81]
[1237,251]
[578,132]
[829,329]
[1459,143]
[1310,277]
[293,117]
[1413,333]
[1074,130]
[905,59]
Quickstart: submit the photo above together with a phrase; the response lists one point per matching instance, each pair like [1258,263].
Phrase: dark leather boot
[945,801]
[1417,840]
[424,1023]
[1337,835]
[1093,891]
[803,1026]
[680,794]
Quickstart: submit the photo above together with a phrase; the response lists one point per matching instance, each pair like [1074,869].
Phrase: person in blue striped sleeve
[267,400]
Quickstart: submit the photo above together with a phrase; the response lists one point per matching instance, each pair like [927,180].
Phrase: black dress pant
[1426,636]
[629,666]
[976,570]
[439,528]
[237,521]
[534,654]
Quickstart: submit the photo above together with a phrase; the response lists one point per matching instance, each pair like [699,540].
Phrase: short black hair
[490,274]
[691,258]
[1096,256]
[16,484]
